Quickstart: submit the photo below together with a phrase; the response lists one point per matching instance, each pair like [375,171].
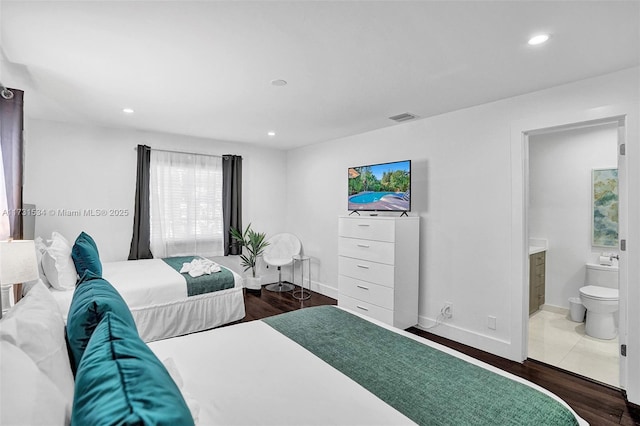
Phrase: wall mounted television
[380,187]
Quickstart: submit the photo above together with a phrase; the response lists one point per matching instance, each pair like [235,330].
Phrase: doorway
[624,115]
[561,164]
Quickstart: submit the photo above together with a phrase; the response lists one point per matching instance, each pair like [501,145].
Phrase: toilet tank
[601,275]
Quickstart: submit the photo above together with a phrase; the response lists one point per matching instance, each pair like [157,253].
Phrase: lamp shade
[18,262]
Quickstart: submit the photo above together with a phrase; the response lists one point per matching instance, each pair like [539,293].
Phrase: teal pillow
[92,298]
[121,381]
[85,255]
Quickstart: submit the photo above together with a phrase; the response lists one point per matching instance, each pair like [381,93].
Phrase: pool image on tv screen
[379,187]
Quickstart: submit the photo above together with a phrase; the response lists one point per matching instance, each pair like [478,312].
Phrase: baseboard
[272,277]
[474,339]
[480,341]
[555,309]
[324,289]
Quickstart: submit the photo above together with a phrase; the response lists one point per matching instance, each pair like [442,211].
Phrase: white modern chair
[280,252]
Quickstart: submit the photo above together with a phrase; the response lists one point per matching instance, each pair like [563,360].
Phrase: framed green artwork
[604,191]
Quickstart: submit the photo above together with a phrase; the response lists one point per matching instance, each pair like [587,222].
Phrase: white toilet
[600,297]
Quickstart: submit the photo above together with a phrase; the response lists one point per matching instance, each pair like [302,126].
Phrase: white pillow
[35,326]
[192,403]
[58,265]
[41,249]
[27,395]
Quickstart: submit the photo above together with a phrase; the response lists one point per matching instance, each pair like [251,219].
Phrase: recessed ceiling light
[538,39]
[127,110]
[271,133]
[279,82]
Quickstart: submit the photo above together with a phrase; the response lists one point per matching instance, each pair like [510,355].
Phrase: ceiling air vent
[405,116]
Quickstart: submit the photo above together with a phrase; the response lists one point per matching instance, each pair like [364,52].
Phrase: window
[186,204]
[5,228]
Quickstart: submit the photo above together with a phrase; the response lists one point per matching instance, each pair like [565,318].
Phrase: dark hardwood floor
[268,303]
[596,403]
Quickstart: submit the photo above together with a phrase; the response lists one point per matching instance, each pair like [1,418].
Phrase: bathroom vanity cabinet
[536,281]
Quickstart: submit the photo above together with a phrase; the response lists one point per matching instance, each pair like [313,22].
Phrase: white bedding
[145,282]
[262,377]
[157,297]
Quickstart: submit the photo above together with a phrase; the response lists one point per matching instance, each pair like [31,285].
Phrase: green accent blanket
[428,386]
[206,283]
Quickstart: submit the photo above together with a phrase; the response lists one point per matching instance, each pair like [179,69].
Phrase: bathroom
[561,230]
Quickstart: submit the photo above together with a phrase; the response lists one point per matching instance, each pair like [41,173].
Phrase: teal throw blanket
[206,283]
[427,385]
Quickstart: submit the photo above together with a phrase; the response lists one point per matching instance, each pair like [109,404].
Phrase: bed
[157,296]
[328,365]
[164,302]
[322,365]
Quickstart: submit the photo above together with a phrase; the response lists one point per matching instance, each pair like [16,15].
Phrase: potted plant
[254,243]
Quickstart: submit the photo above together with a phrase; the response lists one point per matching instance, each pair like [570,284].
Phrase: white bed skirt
[184,316]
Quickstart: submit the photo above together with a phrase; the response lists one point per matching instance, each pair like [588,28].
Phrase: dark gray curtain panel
[141,240]
[231,201]
[11,143]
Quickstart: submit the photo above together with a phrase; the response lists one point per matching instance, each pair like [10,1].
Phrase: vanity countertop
[536,249]
[537,245]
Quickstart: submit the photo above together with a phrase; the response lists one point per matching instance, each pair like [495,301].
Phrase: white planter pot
[253,283]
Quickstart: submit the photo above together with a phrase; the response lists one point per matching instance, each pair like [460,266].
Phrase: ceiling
[204,68]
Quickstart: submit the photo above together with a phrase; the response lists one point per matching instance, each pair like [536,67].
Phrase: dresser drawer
[368,229]
[373,311]
[375,251]
[365,270]
[376,294]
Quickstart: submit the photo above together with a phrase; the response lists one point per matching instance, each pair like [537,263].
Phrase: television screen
[381,187]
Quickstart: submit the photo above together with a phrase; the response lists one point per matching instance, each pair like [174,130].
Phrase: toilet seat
[599,293]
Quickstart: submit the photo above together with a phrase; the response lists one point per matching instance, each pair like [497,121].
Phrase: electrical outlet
[447,310]
[491,322]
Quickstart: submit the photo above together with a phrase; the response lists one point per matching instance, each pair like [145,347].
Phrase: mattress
[263,377]
[157,297]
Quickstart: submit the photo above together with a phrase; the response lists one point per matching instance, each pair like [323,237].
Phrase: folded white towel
[200,266]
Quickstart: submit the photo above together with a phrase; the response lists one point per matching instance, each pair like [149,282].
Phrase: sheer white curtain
[5,230]
[186,205]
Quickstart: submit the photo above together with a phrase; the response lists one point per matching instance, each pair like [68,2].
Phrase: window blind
[186,204]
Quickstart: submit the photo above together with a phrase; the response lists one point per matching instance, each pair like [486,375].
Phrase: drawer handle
[363,245]
[362,287]
[363,224]
[363,266]
[362,307]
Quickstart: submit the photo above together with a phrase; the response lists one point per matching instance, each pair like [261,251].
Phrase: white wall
[75,167]
[560,166]
[461,188]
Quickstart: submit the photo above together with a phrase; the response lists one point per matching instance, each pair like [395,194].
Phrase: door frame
[519,274]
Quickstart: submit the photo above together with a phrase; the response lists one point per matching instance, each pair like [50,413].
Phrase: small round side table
[301,293]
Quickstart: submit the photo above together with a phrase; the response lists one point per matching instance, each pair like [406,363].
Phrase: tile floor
[555,339]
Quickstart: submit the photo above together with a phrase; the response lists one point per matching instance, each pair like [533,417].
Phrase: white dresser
[378,264]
